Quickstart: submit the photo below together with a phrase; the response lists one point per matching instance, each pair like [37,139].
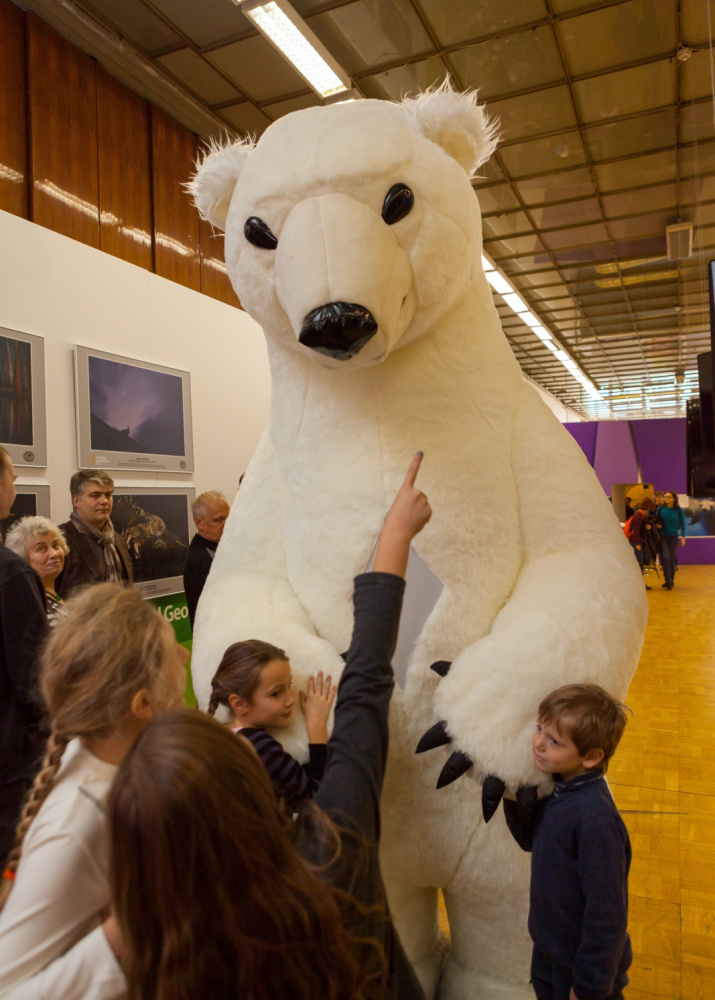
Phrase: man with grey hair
[97,552]
[22,718]
[210,511]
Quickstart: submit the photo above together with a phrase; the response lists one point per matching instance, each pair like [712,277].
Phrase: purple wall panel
[584,434]
[615,458]
[662,452]
[697,552]
[608,445]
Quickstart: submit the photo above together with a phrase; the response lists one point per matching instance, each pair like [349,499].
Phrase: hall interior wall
[643,451]
[70,293]
[83,155]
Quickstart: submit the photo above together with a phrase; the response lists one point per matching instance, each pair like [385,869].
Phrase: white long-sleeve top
[51,944]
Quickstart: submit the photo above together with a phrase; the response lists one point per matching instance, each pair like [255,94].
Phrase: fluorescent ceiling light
[516,303]
[498,283]
[288,33]
[636,279]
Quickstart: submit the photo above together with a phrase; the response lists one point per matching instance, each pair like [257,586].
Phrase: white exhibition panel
[69,293]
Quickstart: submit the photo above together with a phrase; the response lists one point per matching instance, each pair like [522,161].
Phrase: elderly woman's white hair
[22,532]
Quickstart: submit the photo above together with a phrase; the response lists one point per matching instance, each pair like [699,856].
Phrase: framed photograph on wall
[29,500]
[156,525]
[132,414]
[23,430]
[699,516]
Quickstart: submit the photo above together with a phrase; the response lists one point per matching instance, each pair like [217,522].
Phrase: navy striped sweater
[292,781]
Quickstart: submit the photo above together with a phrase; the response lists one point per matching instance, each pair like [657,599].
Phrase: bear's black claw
[441,667]
[527,796]
[457,765]
[436,736]
[492,792]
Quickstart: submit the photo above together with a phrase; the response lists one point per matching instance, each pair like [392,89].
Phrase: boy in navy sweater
[580,851]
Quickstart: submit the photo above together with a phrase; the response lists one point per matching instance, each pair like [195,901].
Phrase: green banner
[175,610]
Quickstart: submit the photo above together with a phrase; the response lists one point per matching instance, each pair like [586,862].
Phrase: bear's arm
[248,594]
[577,612]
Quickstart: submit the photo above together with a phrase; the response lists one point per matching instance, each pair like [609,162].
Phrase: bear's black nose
[338,329]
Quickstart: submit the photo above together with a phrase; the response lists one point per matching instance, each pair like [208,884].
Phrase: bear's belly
[471,559]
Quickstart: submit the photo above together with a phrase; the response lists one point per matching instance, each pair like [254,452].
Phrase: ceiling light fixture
[498,283]
[289,33]
[518,306]
[516,303]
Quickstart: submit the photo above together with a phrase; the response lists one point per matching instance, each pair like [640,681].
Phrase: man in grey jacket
[97,552]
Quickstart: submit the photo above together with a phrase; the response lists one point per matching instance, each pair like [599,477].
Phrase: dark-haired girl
[254,683]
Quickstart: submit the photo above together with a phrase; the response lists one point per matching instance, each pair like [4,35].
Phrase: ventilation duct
[679,240]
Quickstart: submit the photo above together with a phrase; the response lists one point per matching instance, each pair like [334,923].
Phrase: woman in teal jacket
[673,521]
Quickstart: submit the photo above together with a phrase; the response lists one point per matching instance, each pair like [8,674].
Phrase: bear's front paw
[459,763]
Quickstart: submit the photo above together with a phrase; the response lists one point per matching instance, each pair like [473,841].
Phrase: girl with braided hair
[105,672]
[253,682]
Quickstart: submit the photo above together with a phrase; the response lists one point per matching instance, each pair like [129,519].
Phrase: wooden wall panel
[13,111]
[63,135]
[214,279]
[124,144]
[176,221]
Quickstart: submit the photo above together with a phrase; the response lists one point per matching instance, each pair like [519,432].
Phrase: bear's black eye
[257,232]
[397,204]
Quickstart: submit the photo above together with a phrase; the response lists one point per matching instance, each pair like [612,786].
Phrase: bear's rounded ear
[217,171]
[456,122]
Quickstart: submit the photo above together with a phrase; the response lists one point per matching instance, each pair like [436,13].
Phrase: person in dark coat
[210,511]
[23,624]
[97,553]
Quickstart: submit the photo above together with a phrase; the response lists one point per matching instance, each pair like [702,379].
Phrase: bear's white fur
[540,587]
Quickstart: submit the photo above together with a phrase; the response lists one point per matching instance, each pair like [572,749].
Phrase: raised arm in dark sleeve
[357,750]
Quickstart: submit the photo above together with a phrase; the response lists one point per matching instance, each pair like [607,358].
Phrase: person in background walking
[673,521]
[639,527]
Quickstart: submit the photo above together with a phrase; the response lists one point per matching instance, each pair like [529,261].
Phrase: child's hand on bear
[317,704]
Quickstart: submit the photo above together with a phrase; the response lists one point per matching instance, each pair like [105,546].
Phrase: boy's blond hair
[588,715]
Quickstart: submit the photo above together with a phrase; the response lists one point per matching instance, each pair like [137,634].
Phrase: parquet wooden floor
[662,780]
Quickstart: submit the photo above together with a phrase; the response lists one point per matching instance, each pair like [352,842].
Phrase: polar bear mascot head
[337,221]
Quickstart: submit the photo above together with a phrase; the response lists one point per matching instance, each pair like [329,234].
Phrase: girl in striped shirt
[254,682]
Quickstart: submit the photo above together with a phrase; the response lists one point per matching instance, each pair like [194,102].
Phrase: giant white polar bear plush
[353,237]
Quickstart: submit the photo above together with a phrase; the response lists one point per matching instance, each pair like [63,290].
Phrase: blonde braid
[41,787]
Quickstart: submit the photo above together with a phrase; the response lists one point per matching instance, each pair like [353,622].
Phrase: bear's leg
[415,914]
[490,945]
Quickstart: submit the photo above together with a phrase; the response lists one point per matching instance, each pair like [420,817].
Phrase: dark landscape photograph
[155,528]
[134,409]
[15,392]
[25,505]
